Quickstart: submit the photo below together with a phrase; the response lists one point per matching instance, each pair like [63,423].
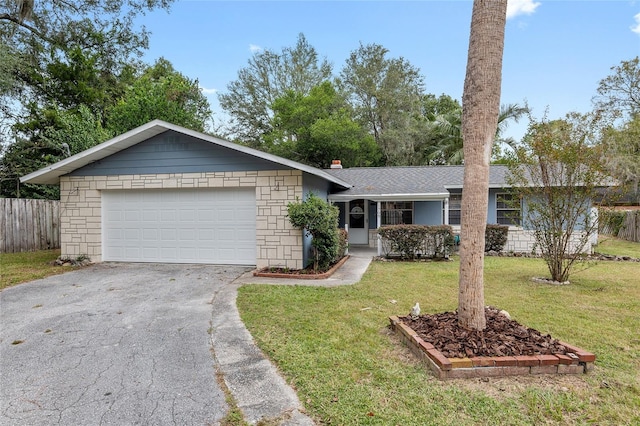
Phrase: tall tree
[386,94]
[56,135]
[619,93]
[249,99]
[317,128]
[448,147]
[480,109]
[160,92]
[622,154]
[38,33]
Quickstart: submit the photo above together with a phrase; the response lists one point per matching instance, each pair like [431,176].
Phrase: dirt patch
[506,387]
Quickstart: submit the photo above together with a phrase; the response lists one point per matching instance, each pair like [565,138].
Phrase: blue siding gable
[172,152]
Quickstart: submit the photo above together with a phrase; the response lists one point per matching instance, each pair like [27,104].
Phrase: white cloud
[521,7]
[206,91]
[254,48]
[636,28]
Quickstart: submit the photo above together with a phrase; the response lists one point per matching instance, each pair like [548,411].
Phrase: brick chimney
[336,164]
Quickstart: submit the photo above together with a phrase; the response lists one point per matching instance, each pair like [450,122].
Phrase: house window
[455,206]
[397,212]
[508,209]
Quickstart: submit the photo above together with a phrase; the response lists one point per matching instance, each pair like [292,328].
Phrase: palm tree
[448,135]
[508,113]
[481,107]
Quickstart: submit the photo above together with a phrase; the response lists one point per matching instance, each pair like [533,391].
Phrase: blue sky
[555,51]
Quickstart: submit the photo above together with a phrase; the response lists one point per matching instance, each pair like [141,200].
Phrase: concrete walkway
[259,390]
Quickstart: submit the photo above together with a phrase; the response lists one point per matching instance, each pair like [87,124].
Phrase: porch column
[379,224]
[446,211]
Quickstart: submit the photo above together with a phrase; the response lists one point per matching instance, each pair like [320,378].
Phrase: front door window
[356,214]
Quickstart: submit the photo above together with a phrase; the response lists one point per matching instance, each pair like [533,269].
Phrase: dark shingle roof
[419,182]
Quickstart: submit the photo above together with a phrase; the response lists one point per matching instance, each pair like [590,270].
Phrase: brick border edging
[321,276]
[577,361]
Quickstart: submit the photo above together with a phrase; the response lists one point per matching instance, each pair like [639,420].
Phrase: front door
[358,222]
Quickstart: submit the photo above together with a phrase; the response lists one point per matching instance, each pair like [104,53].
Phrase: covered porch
[361,217]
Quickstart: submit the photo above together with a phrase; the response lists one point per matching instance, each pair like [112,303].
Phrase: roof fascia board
[491,186]
[390,197]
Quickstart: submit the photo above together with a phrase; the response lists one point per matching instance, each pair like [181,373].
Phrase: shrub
[411,241]
[407,240]
[496,237]
[343,242]
[441,241]
[320,220]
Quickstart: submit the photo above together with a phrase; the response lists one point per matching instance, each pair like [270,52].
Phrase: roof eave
[436,196]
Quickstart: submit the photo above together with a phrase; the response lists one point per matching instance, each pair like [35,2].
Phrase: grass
[16,268]
[608,244]
[334,347]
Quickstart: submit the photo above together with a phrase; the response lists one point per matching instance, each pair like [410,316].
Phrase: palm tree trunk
[480,109]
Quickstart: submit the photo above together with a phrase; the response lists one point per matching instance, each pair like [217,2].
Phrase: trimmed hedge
[416,241]
[495,237]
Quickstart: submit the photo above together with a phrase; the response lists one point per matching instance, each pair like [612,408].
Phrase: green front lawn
[16,268]
[334,347]
[608,244]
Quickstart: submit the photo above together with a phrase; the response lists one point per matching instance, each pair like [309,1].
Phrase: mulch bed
[501,337]
[308,273]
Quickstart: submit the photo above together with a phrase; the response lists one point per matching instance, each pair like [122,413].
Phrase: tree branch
[34,30]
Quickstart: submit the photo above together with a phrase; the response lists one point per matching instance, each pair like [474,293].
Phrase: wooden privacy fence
[29,225]
[624,225]
[630,229]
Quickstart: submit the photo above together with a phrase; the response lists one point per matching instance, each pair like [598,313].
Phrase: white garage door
[180,226]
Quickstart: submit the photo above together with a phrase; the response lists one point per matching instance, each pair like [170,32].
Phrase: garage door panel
[168,253]
[188,235]
[245,236]
[187,215]
[150,215]
[245,215]
[149,234]
[205,214]
[206,235]
[168,215]
[168,235]
[180,225]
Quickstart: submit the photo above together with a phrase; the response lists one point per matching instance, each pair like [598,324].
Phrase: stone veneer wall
[373,238]
[278,243]
[523,241]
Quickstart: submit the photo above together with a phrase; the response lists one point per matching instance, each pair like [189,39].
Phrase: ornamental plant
[318,219]
[495,237]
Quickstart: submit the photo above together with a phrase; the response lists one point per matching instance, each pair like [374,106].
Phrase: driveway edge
[260,392]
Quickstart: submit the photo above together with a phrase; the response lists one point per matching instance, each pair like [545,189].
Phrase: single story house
[163,193]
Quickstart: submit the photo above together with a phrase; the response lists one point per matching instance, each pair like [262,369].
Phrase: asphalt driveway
[115,344]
